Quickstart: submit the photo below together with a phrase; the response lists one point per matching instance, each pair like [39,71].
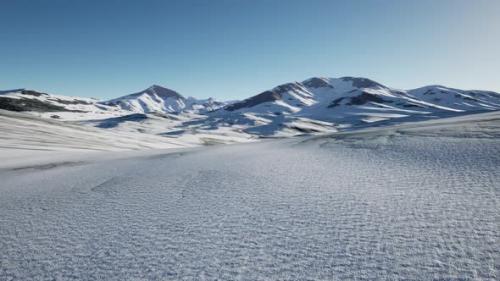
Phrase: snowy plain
[409,202]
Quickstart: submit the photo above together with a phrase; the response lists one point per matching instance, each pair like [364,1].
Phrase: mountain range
[316,105]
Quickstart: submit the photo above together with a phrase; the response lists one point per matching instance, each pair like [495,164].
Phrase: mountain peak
[156,86]
[156,98]
[161,92]
[317,82]
[360,82]
[11,91]
[287,87]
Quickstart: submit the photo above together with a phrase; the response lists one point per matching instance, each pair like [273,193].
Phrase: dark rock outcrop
[113,122]
[364,98]
[316,83]
[25,104]
[267,96]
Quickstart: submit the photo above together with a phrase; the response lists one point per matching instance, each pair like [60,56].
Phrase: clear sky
[232,49]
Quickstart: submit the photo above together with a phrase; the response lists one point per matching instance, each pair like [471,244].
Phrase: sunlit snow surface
[406,203]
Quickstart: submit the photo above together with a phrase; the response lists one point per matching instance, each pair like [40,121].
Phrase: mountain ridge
[315,105]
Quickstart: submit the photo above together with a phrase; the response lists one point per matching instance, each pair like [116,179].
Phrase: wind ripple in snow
[390,208]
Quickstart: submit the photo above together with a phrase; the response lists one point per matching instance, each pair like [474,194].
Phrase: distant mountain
[348,93]
[155,99]
[315,105]
[29,100]
[160,99]
[350,101]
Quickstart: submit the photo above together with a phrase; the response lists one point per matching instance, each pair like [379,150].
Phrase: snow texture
[411,202]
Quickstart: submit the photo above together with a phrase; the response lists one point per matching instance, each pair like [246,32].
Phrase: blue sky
[232,49]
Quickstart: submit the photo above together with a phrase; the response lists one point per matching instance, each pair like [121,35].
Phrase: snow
[410,202]
[21,131]
[350,102]
[160,99]
[289,109]
[77,108]
[25,135]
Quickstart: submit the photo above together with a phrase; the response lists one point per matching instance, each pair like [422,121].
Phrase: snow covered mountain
[28,100]
[319,104]
[155,99]
[332,98]
[56,106]
[160,99]
[316,105]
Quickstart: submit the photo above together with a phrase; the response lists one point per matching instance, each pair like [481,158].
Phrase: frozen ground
[413,202]
[24,137]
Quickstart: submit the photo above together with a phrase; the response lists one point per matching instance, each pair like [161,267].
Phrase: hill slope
[388,204]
